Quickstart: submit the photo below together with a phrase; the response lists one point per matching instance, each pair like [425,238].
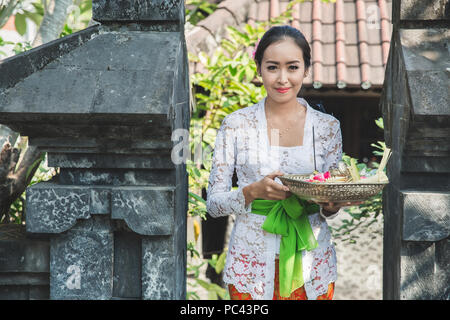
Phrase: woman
[264,141]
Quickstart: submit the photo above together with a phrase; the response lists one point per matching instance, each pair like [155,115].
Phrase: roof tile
[328,13]
[351,52]
[329,59]
[283,6]
[274,8]
[349,11]
[341,67]
[351,33]
[328,33]
[305,11]
[263,10]
[375,55]
[306,29]
[252,14]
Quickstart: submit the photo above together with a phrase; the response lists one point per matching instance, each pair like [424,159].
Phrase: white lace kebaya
[242,144]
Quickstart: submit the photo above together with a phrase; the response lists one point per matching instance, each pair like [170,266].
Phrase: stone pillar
[416,112]
[104,107]
[24,264]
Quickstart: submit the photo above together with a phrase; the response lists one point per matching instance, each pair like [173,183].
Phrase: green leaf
[361,166]
[194,58]
[38,7]
[36,163]
[237,34]
[228,46]
[218,73]
[220,262]
[192,250]
[379,123]
[239,87]
[3,43]
[249,73]
[33,16]
[207,84]
[85,6]
[190,295]
[378,153]
[233,70]
[212,295]
[196,172]
[196,197]
[206,285]
[249,29]
[203,57]
[66,31]
[21,24]
[218,290]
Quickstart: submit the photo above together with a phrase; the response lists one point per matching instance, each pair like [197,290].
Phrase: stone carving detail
[104,103]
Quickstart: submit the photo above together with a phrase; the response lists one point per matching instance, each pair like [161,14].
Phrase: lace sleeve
[221,199]
[334,146]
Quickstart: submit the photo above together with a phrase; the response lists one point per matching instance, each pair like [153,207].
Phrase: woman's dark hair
[278,33]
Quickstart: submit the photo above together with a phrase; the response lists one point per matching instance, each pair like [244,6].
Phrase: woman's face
[282,70]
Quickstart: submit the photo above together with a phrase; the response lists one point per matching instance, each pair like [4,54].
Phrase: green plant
[370,209]
[16,212]
[380,145]
[197,10]
[193,272]
[19,47]
[78,18]
[218,261]
[79,15]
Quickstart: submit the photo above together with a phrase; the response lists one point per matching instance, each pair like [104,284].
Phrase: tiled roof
[349,39]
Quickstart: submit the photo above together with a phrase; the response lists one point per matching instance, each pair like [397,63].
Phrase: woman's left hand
[334,207]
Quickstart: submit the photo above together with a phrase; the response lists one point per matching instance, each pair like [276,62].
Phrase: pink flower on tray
[321,177]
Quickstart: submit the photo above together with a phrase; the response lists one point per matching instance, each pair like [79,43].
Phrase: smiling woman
[283,58]
[280,246]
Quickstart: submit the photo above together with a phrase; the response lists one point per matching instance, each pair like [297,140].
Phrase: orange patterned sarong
[299,294]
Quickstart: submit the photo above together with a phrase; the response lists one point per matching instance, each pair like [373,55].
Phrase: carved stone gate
[104,103]
[416,112]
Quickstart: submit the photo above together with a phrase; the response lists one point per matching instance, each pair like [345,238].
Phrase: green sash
[289,218]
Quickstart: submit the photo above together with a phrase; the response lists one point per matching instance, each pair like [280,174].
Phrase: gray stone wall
[416,203]
[24,264]
[105,109]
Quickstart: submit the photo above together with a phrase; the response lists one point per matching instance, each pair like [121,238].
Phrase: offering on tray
[350,173]
[344,183]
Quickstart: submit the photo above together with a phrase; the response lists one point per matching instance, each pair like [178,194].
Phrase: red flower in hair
[254,51]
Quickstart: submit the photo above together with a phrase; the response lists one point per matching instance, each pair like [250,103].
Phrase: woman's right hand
[267,189]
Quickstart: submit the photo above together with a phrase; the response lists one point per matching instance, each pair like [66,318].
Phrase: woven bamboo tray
[330,191]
